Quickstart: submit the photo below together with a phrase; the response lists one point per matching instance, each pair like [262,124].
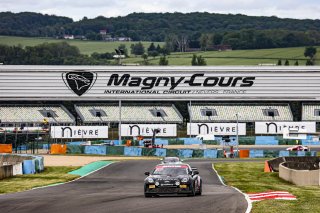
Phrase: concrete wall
[299,177]
[6,171]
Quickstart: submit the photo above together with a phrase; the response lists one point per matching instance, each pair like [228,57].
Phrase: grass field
[235,57]
[249,177]
[85,47]
[51,175]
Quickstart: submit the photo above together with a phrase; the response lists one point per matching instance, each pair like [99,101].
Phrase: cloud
[93,8]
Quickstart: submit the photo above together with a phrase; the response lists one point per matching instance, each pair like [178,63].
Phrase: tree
[286,63]
[137,49]
[205,41]
[296,63]
[151,47]
[310,52]
[163,61]
[145,59]
[123,47]
[198,60]
[279,62]
[309,62]
[194,61]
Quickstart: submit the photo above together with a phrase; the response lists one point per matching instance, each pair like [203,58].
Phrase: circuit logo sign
[79,82]
[173,82]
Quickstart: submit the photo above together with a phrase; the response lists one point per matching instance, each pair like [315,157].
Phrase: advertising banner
[69,132]
[166,130]
[279,127]
[216,128]
[158,83]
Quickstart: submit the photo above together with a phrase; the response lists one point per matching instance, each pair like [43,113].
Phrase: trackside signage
[279,127]
[69,132]
[166,130]
[216,128]
[158,83]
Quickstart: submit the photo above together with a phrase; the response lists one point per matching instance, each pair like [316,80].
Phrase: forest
[196,30]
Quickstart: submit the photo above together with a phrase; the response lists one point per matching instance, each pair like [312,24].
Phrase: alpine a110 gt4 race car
[172,179]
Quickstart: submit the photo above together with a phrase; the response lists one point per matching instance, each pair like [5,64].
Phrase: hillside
[199,29]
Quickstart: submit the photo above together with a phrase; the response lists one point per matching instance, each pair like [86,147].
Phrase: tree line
[191,30]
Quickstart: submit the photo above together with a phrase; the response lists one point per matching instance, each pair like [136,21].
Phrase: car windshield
[171,160]
[170,171]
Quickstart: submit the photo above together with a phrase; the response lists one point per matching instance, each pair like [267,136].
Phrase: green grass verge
[85,47]
[51,175]
[249,177]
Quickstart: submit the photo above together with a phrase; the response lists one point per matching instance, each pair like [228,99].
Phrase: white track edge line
[249,208]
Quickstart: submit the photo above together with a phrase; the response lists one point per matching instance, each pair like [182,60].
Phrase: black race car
[172,179]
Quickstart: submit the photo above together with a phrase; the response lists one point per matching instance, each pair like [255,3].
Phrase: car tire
[200,189]
[147,195]
[193,192]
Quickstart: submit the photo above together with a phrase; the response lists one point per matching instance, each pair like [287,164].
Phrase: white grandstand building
[35,114]
[246,112]
[311,112]
[108,113]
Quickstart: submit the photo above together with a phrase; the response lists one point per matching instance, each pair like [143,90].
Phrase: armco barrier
[197,153]
[161,152]
[29,166]
[256,154]
[244,153]
[5,148]
[58,149]
[5,171]
[95,150]
[172,152]
[115,150]
[210,153]
[190,141]
[185,153]
[159,141]
[148,151]
[75,149]
[132,151]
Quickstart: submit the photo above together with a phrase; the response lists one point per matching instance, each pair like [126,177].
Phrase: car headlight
[177,183]
[184,180]
[157,183]
[150,180]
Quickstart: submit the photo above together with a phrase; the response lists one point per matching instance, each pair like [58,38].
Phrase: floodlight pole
[119,128]
[190,115]
[237,115]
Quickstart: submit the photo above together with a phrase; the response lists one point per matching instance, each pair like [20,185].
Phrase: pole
[237,115]
[119,128]
[190,115]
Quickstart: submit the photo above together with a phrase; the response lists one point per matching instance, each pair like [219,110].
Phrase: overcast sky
[77,9]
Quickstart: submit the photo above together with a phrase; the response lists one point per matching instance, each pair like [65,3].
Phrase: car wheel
[200,189]
[147,195]
[193,192]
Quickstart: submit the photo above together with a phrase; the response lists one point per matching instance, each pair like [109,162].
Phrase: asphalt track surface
[118,188]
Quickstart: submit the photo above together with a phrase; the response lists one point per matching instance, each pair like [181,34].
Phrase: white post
[119,128]
[190,115]
[237,115]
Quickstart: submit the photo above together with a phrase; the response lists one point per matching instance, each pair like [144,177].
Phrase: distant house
[103,32]
[220,47]
[68,37]
[123,38]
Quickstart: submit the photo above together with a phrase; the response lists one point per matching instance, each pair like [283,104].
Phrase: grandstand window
[158,113]
[317,112]
[98,113]
[270,112]
[48,113]
[208,112]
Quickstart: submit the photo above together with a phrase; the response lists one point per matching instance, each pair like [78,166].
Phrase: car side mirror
[190,172]
[196,172]
[147,173]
